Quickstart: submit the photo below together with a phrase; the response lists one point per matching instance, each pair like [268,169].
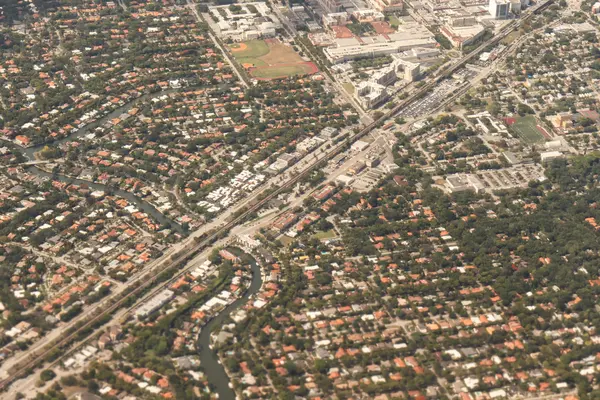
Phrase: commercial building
[421,53]
[515,7]
[371,94]
[330,6]
[385,76]
[359,145]
[344,180]
[372,162]
[356,168]
[499,9]
[289,158]
[283,162]
[410,70]
[463,182]
[335,19]
[328,132]
[462,20]
[461,36]
[368,15]
[387,5]
[309,144]
[409,36]
[154,303]
[351,49]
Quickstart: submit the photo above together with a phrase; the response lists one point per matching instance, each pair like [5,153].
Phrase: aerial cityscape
[303,199]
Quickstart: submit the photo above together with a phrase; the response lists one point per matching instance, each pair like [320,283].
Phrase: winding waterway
[141,204]
[30,151]
[214,371]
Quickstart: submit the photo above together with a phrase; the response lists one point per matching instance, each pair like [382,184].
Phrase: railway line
[446,73]
[149,280]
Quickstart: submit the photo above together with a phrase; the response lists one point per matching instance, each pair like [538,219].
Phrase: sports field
[270,59]
[283,71]
[527,130]
[250,49]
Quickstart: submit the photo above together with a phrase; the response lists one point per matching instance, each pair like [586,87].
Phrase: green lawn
[325,235]
[510,38]
[525,128]
[257,62]
[255,49]
[393,21]
[276,72]
[286,240]
[360,29]
[349,87]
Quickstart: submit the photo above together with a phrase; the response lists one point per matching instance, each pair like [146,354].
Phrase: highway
[148,279]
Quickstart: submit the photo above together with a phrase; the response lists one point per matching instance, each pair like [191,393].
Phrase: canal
[214,371]
[30,151]
[140,204]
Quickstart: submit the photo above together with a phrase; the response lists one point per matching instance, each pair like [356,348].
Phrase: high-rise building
[387,5]
[371,94]
[330,6]
[499,8]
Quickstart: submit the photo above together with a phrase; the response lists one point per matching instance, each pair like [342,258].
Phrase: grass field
[250,49]
[286,240]
[270,59]
[325,235]
[525,128]
[510,38]
[348,87]
[393,21]
[282,71]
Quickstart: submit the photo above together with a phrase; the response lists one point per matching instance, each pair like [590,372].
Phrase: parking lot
[440,93]
[508,178]
[429,102]
[367,180]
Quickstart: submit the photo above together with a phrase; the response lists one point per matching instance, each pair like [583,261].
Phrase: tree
[69,380]
[50,153]
[493,108]
[47,375]
[523,109]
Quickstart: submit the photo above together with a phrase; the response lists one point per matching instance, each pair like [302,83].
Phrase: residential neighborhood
[366,199]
